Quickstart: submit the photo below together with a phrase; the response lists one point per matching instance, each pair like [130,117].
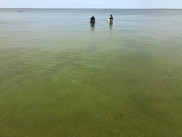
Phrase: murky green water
[61,78]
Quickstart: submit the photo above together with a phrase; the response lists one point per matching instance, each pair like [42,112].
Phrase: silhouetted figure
[92,23]
[111,17]
[92,19]
[110,20]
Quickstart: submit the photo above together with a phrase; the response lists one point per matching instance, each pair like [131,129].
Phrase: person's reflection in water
[110,26]
[92,26]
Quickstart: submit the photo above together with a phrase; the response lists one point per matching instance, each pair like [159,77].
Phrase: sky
[121,4]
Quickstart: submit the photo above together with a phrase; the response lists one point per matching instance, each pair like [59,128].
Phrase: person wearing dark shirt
[111,18]
[92,19]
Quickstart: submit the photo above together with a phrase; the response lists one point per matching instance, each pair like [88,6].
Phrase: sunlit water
[59,77]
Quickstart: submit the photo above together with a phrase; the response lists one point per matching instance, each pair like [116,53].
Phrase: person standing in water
[111,18]
[92,19]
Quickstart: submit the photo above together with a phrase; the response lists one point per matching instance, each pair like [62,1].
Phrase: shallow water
[61,77]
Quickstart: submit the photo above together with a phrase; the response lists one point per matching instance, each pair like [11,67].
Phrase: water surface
[59,77]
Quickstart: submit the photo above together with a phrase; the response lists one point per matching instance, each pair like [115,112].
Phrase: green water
[68,80]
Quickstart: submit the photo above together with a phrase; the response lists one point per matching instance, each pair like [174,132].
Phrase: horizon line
[97,8]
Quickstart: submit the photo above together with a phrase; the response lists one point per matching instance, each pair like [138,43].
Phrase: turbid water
[59,77]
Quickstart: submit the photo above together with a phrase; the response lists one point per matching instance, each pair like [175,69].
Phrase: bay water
[61,77]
